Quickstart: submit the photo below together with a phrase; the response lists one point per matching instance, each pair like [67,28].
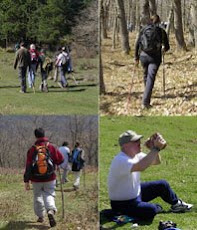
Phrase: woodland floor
[124,82]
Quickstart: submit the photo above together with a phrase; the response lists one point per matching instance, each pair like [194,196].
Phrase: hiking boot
[52,221]
[146,106]
[40,219]
[181,206]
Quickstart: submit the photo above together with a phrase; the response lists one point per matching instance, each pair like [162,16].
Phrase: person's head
[22,44]
[32,47]
[77,144]
[155,19]
[65,143]
[39,132]
[129,142]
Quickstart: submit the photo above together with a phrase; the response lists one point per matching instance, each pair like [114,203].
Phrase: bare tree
[178,25]
[123,26]
[194,21]
[153,8]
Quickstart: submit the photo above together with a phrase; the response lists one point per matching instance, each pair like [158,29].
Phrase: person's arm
[27,173]
[16,60]
[148,160]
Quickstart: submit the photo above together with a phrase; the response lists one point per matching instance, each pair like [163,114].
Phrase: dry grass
[120,73]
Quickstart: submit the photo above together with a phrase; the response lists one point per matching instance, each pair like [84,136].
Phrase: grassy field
[178,165]
[79,99]
[16,205]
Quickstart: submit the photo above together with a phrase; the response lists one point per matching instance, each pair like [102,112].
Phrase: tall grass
[178,165]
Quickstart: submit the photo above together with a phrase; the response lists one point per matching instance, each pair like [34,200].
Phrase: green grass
[79,99]
[178,165]
[16,204]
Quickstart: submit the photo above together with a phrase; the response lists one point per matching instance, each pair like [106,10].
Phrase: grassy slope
[16,210]
[178,161]
[180,75]
[80,99]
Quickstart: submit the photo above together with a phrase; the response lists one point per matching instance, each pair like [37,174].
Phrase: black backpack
[151,39]
[42,166]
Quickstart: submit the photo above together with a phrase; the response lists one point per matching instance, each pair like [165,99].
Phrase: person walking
[64,149]
[128,195]
[78,161]
[61,63]
[42,159]
[34,64]
[23,61]
[148,50]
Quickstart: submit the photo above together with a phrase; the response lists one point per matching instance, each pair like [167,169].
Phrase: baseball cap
[128,136]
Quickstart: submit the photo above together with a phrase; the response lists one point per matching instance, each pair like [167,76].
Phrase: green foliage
[38,20]
[177,167]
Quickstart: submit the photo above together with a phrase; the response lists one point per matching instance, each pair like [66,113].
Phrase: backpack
[167,225]
[42,166]
[151,39]
[77,161]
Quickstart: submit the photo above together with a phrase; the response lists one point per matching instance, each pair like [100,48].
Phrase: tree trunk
[138,15]
[194,21]
[153,8]
[145,13]
[115,25]
[102,85]
[169,21]
[178,25]
[123,26]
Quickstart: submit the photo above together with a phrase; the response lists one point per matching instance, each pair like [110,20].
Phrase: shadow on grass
[9,86]
[22,225]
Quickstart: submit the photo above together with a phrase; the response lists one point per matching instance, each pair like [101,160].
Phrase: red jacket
[56,156]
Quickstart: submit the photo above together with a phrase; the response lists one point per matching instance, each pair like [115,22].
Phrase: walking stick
[62,192]
[76,83]
[130,89]
[164,80]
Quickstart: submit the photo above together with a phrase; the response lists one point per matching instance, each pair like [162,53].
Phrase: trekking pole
[76,83]
[62,192]
[130,89]
[164,80]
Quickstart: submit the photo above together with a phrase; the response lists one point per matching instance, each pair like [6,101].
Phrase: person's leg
[135,208]
[144,63]
[49,200]
[63,78]
[39,208]
[33,67]
[161,188]
[64,175]
[151,74]
[77,175]
[23,79]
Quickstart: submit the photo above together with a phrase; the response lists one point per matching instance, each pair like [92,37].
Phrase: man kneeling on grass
[127,194]
[42,159]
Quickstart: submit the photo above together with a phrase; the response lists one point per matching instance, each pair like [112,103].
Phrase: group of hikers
[30,59]
[43,158]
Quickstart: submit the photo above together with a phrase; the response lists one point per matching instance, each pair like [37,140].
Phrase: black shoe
[52,221]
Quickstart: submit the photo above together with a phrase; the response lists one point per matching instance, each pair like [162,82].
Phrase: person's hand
[27,186]
[137,62]
[156,141]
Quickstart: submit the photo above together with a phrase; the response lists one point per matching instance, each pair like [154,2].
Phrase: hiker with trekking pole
[22,61]
[42,160]
[151,44]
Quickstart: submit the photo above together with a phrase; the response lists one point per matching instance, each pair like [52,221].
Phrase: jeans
[32,74]
[62,72]
[139,207]
[150,66]
[44,197]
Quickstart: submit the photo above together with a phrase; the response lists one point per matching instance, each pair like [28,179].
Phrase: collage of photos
[98,114]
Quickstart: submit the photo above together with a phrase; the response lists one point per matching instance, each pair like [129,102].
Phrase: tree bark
[145,13]
[153,8]
[169,21]
[102,84]
[194,21]
[123,26]
[178,25]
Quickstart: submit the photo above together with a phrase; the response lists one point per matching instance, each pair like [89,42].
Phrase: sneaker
[181,206]
[40,219]
[52,221]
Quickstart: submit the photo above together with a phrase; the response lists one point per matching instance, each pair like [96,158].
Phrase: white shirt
[64,151]
[122,183]
[62,58]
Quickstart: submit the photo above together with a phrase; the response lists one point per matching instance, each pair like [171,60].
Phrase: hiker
[69,66]
[128,195]
[56,71]
[46,65]
[61,63]
[34,64]
[64,149]
[78,161]
[22,60]
[42,159]
[149,50]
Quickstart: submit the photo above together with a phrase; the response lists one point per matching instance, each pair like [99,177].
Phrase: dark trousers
[139,207]
[22,77]
[150,66]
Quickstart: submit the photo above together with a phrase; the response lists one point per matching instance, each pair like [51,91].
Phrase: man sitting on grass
[127,194]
